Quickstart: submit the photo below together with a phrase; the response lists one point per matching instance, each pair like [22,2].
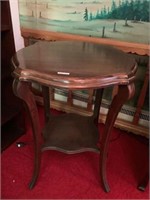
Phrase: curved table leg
[125,92]
[22,90]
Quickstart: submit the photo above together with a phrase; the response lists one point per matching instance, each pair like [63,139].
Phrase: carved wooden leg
[141,98]
[125,92]
[98,101]
[22,90]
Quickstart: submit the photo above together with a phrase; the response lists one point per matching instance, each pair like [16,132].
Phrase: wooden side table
[72,65]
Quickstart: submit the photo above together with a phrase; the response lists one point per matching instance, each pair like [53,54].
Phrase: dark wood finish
[73,65]
[70,98]
[57,72]
[119,123]
[23,91]
[141,97]
[45,91]
[90,99]
[124,124]
[12,123]
[125,92]
[70,133]
[98,100]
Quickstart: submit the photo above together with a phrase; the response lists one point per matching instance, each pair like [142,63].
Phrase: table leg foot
[125,92]
[33,181]
[23,91]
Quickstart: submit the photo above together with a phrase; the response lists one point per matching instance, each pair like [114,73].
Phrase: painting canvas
[125,20]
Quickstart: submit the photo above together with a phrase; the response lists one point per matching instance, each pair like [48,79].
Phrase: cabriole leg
[125,92]
[22,90]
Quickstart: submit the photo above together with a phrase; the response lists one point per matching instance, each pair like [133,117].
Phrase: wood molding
[138,48]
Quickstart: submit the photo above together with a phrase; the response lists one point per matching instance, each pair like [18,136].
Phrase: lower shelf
[71,133]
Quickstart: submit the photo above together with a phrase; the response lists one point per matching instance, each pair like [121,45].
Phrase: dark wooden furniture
[11,120]
[73,65]
[136,112]
[142,96]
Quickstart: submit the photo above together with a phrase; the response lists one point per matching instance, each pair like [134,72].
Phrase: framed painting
[123,20]
[121,23]
[103,20]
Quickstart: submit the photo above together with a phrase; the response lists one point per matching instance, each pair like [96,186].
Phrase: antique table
[72,65]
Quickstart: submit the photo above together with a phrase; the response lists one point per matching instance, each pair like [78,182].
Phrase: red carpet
[75,176]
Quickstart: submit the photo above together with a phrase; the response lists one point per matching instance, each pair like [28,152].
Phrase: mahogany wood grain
[135,48]
[73,65]
[141,97]
[46,98]
[70,98]
[124,93]
[71,133]
[81,65]
[119,123]
[90,99]
[97,104]
[23,91]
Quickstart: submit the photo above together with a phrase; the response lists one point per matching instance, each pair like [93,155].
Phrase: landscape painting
[125,20]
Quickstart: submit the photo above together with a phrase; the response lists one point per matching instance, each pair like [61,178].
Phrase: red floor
[75,176]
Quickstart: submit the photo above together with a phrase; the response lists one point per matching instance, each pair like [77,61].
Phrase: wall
[19,42]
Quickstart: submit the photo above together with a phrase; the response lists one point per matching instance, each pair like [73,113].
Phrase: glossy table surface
[73,64]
